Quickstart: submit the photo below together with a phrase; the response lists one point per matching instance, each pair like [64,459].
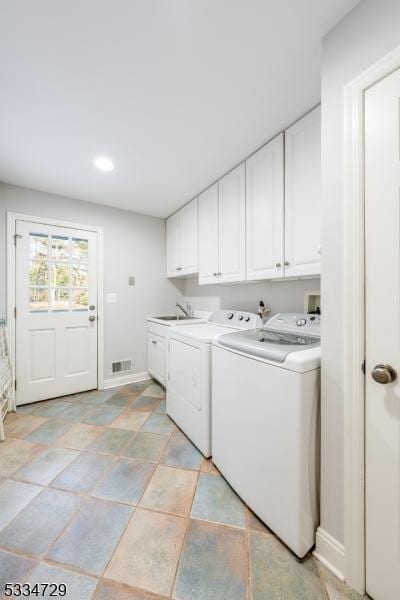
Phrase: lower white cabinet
[157,347]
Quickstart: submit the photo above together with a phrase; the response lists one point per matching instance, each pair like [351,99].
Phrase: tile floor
[102,492]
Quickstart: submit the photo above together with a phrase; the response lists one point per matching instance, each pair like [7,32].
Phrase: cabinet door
[161,349]
[174,267]
[208,235]
[152,355]
[232,226]
[303,196]
[264,211]
[189,238]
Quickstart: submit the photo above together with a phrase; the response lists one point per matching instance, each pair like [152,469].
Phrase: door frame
[354,317]
[11,272]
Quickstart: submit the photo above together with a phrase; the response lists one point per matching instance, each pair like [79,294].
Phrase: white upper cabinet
[265,211]
[173,234]
[189,238]
[208,236]
[182,241]
[232,226]
[303,196]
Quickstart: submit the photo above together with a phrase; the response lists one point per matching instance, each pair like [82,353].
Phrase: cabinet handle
[287,263]
[319,250]
[215,274]
[153,342]
[179,268]
[278,265]
[219,274]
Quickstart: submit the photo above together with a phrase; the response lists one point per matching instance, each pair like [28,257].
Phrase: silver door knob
[92,318]
[383,374]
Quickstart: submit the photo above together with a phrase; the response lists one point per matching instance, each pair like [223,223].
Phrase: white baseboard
[125,380]
[330,553]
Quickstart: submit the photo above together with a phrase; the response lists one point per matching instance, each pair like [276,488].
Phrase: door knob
[92,307]
[383,374]
[92,318]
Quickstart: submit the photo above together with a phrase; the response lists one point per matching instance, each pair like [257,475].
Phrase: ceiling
[175,92]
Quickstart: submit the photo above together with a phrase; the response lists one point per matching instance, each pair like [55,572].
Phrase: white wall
[133,245]
[370,31]
[282,296]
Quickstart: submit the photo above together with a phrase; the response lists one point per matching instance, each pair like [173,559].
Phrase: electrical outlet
[131,280]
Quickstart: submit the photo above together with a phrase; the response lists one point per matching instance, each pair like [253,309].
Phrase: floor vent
[121,366]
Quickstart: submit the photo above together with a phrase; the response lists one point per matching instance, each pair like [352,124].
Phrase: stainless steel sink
[177,318]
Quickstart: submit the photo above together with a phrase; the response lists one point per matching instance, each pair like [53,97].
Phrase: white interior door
[56,311]
[382,219]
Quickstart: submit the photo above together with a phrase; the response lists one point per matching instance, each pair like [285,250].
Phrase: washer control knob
[301,322]
[240,317]
[247,319]
[230,316]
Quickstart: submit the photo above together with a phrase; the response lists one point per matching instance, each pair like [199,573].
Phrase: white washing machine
[265,415]
[189,372]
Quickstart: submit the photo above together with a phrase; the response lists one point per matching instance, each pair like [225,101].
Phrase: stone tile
[148,552]
[51,408]
[170,490]
[145,403]
[155,390]
[116,591]
[27,409]
[122,400]
[45,467]
[161,408]
[146,446]
[138,386]
[74,397]
[275,573]
[130,419]
[216,501]
[158,424]
[36,527]
[22,424]
[14,453]
[49,432]
[79,436]
[207,466]
[180,452]
[14,496]
[125,392]
[89,540]
[79,587]
[104,415]
[84,472]
[126,481]
[336,589]
[14,569]
[213,564]
[77,412]
[111,441]
[254,523]
[97,397]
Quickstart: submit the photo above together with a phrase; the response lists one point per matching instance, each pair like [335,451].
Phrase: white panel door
[303,196]
[173,242]
[56,308]
[189,238]
[382,230]
[208,236]
[232,226]
[265,211]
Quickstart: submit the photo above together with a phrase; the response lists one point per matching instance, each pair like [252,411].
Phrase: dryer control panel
[237,319]
[296,322]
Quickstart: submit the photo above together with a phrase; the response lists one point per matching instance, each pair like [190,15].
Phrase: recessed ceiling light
[104,164]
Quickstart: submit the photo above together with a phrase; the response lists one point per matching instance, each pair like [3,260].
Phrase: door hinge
[15,385]
[15,312]
[17,236]
[363,367]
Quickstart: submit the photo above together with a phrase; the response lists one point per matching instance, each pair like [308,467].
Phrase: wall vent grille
[122,365]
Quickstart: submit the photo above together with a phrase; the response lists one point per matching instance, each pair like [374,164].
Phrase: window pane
[79,249]
[79,299]
[59,274]
[38,246]
[59,247]
[38,273]
[38,299]
[59,299]
[79,275]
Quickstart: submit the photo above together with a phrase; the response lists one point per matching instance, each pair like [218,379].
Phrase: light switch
[111,298]
[131,280]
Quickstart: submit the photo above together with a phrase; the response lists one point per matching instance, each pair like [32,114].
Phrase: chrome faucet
[186,311]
